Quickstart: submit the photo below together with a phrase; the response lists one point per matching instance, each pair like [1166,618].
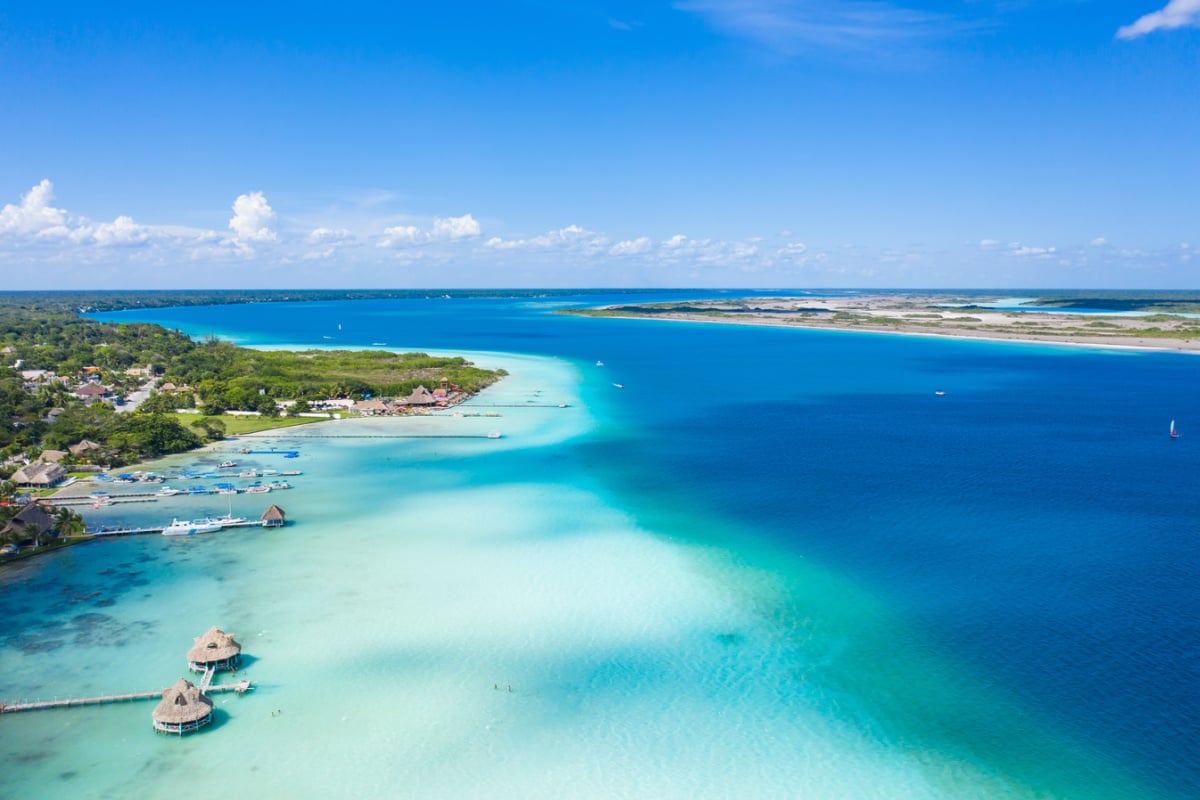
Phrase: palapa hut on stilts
[182,709]
[215,649]
[273,517]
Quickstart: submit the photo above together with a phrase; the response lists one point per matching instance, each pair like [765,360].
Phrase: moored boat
[183,527]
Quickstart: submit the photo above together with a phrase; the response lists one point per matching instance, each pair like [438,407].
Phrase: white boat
[599,363]
[248,473]
[223,520]
[185,528]
[619,385]
[939,393]
[167,491]
[257,488]
[1174,433]
[273,485]
[227,465]
[494,435]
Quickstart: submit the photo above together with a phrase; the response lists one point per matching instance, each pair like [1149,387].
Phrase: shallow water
[773,565]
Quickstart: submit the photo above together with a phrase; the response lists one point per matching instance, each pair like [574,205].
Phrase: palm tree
[67,522]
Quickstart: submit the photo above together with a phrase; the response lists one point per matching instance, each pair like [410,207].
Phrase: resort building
[52,456]
[273,517]
[30,523]
[39,475]
[370,408]
[182,709]
[92,393]
[420,397]
[215,649]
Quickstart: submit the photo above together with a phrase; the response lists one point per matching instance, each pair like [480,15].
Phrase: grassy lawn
[237,425]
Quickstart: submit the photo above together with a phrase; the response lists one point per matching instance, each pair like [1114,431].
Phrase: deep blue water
[1035,523]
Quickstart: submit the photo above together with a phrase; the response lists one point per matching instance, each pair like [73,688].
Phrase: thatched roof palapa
[420,397]
[273,516]
[214,646]
[182,704]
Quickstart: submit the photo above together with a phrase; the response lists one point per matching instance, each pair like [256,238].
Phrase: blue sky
[745,143]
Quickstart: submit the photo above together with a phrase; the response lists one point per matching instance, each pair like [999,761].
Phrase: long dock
[98,532]
[240,687]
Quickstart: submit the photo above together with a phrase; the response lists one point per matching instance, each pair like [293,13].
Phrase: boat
[248,473]
[257,488]
[291,472]
[197,490]
[168,491]
[494,435]
[1174,433]
[273,485]
[619,385]
[939,393]
[222,521]
[227,465]
[185,528]
[599,363]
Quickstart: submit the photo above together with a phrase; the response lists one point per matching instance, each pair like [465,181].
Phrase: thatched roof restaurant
[273,517]
[182,709]
[215,649]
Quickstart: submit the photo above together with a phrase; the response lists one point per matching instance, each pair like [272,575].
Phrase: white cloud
[1175,14]
[252,216]
[462,227]
[34,214]
[445,229]
[1099,241]
[631,247]
[324,235]
[401,235]
[571,238]
[1025,251]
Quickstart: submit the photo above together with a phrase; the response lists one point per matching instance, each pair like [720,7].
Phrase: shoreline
[884,314]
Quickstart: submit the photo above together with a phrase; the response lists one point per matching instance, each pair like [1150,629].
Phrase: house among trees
[52,456]
[83,448]
[39,475]
[92,393]
[31,522]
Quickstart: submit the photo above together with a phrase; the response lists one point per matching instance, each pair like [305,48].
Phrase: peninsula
[1110,320]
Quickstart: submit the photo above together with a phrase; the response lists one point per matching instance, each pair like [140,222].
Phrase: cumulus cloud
[1099,241]
[445,229]
[988,244]
[1175,14]
[705,251]
[631,247]
[401,235]
[462,227]
[252,217]
[34,214]
[571,238]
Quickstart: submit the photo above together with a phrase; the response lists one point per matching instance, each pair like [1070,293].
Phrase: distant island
[1157,324]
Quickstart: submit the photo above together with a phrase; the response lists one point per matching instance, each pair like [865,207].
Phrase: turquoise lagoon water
[774,564]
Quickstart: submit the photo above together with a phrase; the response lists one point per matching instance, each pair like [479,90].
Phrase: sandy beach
[929,315]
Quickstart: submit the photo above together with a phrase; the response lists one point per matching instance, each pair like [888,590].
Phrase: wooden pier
[100,532]
[240,687]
